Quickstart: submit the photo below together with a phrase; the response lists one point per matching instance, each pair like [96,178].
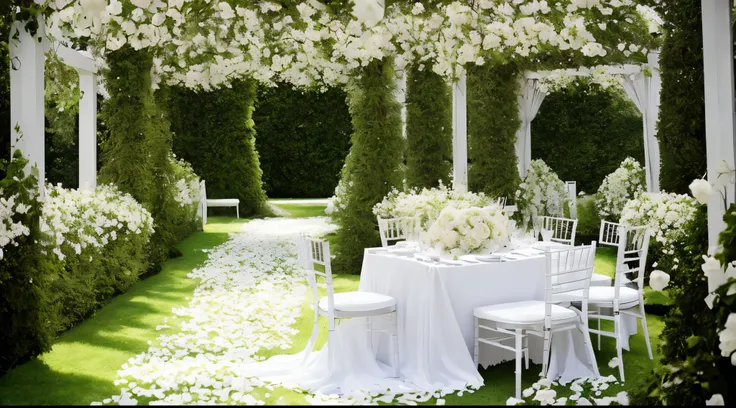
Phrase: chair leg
[476,346]
[331,345]
[395,345]
[526,352]
[599,329]
[644,328]
[518,362]
[237,211]
[619,343]
[547,346]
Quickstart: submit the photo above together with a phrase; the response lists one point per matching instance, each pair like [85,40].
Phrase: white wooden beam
[75,59]
[27,96]
[655,86]
[719,104]
[459,135]
[88,130]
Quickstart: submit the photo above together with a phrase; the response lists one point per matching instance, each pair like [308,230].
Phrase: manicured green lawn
[84,361]
[304,210]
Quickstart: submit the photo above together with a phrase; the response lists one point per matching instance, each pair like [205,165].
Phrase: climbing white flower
[701,189]
[658,280]
[727,336]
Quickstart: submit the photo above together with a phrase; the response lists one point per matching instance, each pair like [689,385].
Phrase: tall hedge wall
[681,126]
[583,132]
[303,138]
[214,131]
[5,21]
[372,166]
[493,119]
[428,129]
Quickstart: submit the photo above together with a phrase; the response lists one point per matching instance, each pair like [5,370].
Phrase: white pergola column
[88,130]
[27,97]
[719,105]
[459,135]
[655,86]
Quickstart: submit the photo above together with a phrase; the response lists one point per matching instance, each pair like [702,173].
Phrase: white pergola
[27,90]
[719,106]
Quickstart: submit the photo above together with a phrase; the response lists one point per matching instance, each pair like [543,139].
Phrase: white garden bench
[205,203]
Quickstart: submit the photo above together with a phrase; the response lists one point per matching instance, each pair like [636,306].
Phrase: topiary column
[493,119]
[214,132]
[372,166]
[428,129]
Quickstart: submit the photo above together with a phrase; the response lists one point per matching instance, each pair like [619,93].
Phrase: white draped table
[435,305]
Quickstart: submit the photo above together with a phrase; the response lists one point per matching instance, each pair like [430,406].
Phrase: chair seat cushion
[605,295]
[600,280]
[359,302]
[526,313]
[223,202]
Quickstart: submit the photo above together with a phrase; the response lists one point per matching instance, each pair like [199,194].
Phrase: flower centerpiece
[542,193]
[619,187]
[469,230]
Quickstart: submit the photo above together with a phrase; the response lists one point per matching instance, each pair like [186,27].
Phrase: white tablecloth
[435,309]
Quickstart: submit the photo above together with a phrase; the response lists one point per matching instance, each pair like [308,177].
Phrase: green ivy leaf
[693,341]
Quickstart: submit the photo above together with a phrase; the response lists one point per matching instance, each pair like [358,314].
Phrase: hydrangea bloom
[665,214]
[619,187]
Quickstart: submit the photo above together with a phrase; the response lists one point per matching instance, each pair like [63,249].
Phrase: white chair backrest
[632,249]
[568,274]
[563,229]
[317,252]
[203,203]
[501,201]
[571,187]
[609,233]
[396,229]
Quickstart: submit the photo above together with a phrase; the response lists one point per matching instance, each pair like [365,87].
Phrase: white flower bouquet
[72,220]
[542,193]
[666,215]
[469,230]
[619,187]
[428,203]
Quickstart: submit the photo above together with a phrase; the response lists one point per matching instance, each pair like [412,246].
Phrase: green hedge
[493,119]
[5,21]
[372,166]
[302,140]
[428,129]
[214,131]
[584,132]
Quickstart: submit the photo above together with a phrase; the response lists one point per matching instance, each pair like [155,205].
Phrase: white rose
[701,190]
[716,399]
[658,280]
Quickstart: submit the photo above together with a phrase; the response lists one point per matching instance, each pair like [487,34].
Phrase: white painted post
[655,86]
[719,105]
[459,135]
[27,61]
[87,130]
[401,98]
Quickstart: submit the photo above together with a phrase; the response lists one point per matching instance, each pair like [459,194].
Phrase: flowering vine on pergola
[204,44]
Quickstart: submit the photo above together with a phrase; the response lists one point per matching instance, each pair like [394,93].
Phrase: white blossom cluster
[263,41]
[557,79]
[666,215]
[11,229]
[427,203]
[72,220]
[541,193]
[187,187]
[619,187]
[544,394]
[469,230]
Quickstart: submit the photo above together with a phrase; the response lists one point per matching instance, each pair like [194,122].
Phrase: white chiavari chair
[567,280]
[396,229]
[563,229]
[343,305]
[633,246]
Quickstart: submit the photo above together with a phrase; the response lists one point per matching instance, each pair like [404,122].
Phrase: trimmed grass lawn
[84,361]
[304,210]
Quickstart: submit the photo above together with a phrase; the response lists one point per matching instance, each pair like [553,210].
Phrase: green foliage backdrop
[583,132]
[428,129]
[493,119]
[303,138]
[372,166]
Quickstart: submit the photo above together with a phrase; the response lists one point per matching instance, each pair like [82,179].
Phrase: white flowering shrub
[73,220]
[187,183]
[427,203]
[619,187]
[10,227]
[469,230]
[541,193]
[666,215]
